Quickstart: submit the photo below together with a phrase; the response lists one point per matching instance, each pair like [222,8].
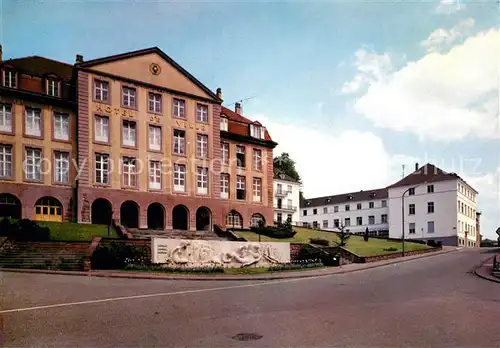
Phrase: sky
[352,90]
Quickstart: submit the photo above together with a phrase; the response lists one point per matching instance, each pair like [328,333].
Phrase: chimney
[219,93]
[237,108]
[1,53]
[416,166]
[79,58]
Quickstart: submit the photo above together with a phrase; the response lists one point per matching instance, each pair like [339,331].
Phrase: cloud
[449,7]
[457,92]
[441,39]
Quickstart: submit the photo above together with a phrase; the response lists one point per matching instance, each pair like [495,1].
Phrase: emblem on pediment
[155,69]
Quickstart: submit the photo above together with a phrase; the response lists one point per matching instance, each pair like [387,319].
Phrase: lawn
[73,231]
[356,244]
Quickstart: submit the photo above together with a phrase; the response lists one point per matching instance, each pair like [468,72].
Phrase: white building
[356,210]
[438,206]
[286,198]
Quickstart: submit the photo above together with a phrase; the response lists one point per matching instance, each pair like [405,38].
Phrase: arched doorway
[234,220]
[129,214]
[203,219]
[156,216]
[101,212]
[180,218]
[48,209]
[256,218]
[10,206]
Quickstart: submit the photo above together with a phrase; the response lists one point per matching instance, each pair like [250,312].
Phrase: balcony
[281,193]
[288,208]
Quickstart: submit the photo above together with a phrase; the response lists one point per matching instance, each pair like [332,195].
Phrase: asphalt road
[429,302]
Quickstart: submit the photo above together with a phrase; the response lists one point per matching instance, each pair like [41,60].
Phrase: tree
[343,235]
[366,235]
[284,164]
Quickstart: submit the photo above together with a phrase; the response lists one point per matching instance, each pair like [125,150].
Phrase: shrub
[174,269]
[391,249]
[274,232]
[24,230]
[6,228]
[117,255]
[292,266]
[319,241]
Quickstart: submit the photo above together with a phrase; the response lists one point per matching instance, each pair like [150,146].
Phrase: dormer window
[373,194]
[256,131]
[349,197]
[282,176]
[9,78]
[52,87]
[223,124]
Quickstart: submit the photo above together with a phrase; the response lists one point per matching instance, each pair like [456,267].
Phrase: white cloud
[441,39]
[442,97]
[449,7]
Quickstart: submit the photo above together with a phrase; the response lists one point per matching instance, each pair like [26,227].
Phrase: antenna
[241,100]
[403,171]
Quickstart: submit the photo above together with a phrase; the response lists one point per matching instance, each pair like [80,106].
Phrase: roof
[426,174]
[345,198]
[239,124]
[141,52]
[41,66]
[284,177]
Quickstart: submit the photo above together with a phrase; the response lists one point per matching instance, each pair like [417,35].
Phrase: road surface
[430,302]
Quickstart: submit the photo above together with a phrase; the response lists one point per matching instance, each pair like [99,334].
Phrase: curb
[486,276]
[280,276]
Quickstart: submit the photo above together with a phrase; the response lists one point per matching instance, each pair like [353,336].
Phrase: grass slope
[356,244]
[77,232]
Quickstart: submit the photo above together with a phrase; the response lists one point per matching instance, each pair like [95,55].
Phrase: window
[61,173]
[336,223]
[61,126]
[154,102]
[279,217]
[202,113]
[224,147]
[179,177]
[358,206]
[154,138]
[257,159]
[224,185]
[383,218]
[256,131]
[257,189]
[359,220]
[129,172]
[371,220]
[289,188]
[179,142]
[223,124]
[155,175]
[101,131]
[315,211]
[289,204]
[411,192]
[5,118]
[411,228]
[128,97]
[102,169]
[202,180]
[240,187]
[33,122]
[430,188]
[325,210]
[240,156]
[430,226]
[347,207]
[430,207]
[384,203]
[5,161]
[179,107]
[53,87]
[101,90]
[371,205]
[411,209]
[347,222]
[9,78]
[336,209]
[304,212]
[279,188]
[129,133]
[33,164]
[289,217]
[325,223]
[202,145]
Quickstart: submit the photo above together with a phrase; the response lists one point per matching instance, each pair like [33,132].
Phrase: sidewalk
[267,276]
[485,271]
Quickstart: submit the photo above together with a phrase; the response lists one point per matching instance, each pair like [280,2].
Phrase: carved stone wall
[205,253]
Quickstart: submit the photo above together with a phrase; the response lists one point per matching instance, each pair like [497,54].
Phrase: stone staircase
[44,255]
[174,234]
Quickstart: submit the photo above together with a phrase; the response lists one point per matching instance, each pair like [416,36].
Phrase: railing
[286,207]
[281,193]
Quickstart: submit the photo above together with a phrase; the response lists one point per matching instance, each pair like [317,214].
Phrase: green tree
[343,236]
[284,164]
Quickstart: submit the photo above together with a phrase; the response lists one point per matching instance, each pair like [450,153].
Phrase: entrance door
[48,209]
